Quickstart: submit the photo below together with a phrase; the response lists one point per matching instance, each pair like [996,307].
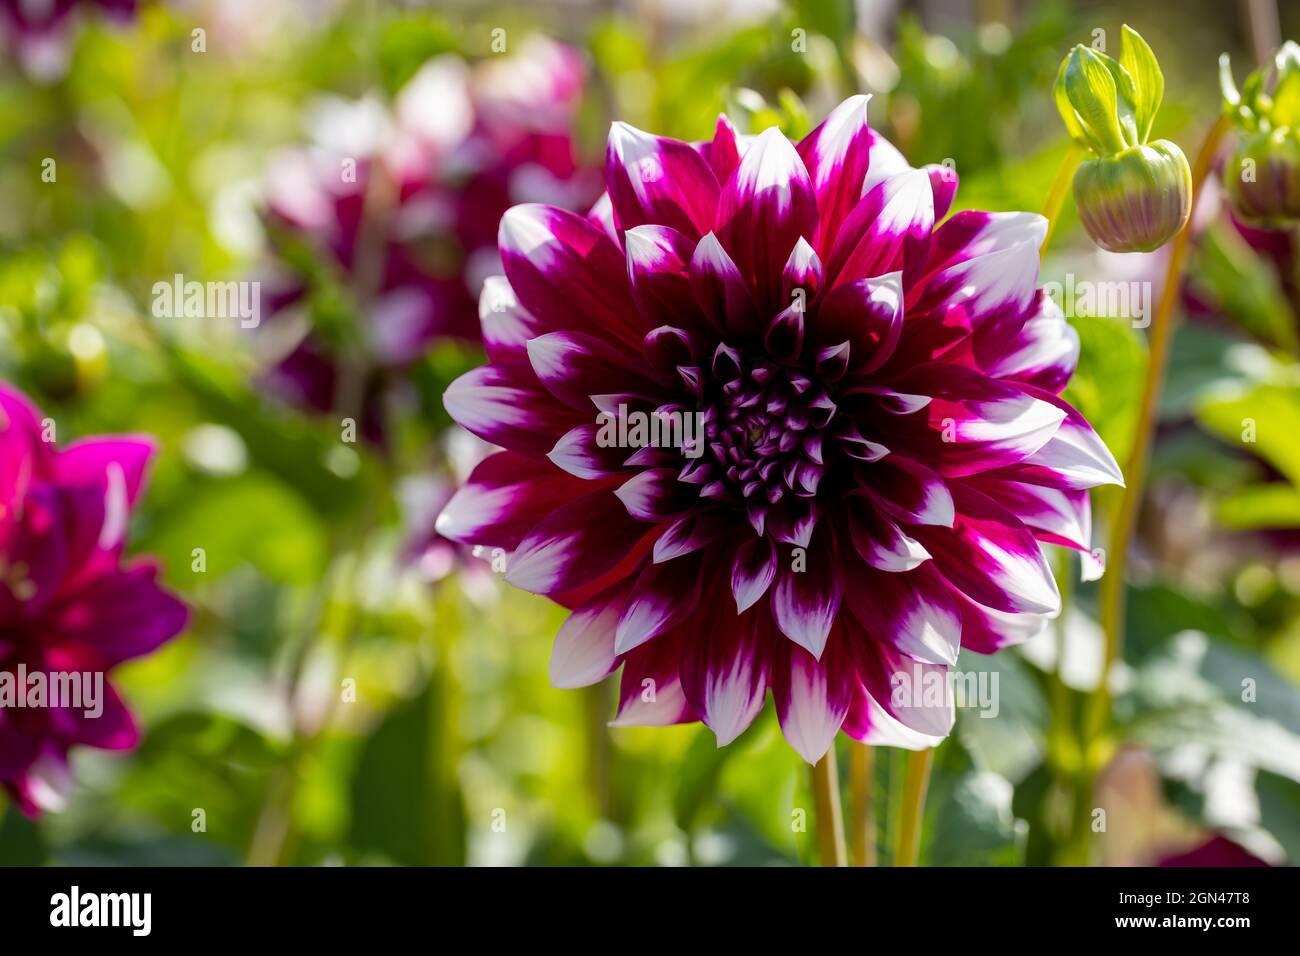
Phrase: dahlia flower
[402,207]
[69,604]
[882,446]
[40,31]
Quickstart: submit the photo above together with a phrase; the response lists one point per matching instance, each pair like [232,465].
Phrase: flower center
[764,430]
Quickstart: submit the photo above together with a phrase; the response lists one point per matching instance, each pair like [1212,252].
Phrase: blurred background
[353,689]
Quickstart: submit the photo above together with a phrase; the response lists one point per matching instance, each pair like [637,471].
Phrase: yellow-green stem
[1125,518]
[908,845]
[862,766]
[1060,186]
[1123,522]
[829,823]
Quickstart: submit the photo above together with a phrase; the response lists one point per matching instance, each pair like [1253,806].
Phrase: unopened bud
[1133,195]
[1263,178]
[1135,200]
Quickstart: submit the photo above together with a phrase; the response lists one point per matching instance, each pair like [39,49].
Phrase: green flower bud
[1132,195]
[1263,178]
[1136,199]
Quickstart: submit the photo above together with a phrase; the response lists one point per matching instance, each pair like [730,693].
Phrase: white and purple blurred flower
[40,32]
[402,206]
[884,451]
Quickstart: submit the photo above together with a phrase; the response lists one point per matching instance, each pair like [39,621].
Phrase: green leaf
[249,519]
[1279,810]
[1127,100]
[1264,421]
[1148,82]
[1107,385]
[406,800]
[1275,505]
[1285,110]
[1066,109]
[1090,88]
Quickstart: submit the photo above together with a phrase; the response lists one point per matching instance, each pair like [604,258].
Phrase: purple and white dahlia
[71,609]
[870,440]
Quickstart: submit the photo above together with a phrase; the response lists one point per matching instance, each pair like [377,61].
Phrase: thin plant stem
[1125,518]
[1060,186]
[1112,594]
[830,817]
[862,773]
[908,845]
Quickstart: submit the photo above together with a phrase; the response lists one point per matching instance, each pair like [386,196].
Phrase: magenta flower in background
[403,206]
[884,445]
[39,32]
[69,604]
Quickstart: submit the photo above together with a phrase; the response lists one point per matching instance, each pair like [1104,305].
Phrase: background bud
[1263,179]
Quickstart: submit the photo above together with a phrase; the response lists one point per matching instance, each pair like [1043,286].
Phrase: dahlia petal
[885,162]
[752,571]
[971,233]
[1074,457]
[879,541]
[725,669]
[802,273]
[654,179]
[915,693]
[837,155]
[868,314]
[986,631]
[723,151]
[121,615]
[655,495]
[505,408]
[812,697]
[913,612]
[663,596]
[766,205]
[888,230]
[998,288]
[568,274]
[804,602]
[694,530]
[580,453]
[1043,353]
[114,729]
[1055,515]
[574,366]
[507,326]
[991,556]
[908,490]
[583,653]
[869,723]
[943,183]
[574,544]
[658,266]
[505,496]
[721,290]
[975,423]
[90,460]
[650,689]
